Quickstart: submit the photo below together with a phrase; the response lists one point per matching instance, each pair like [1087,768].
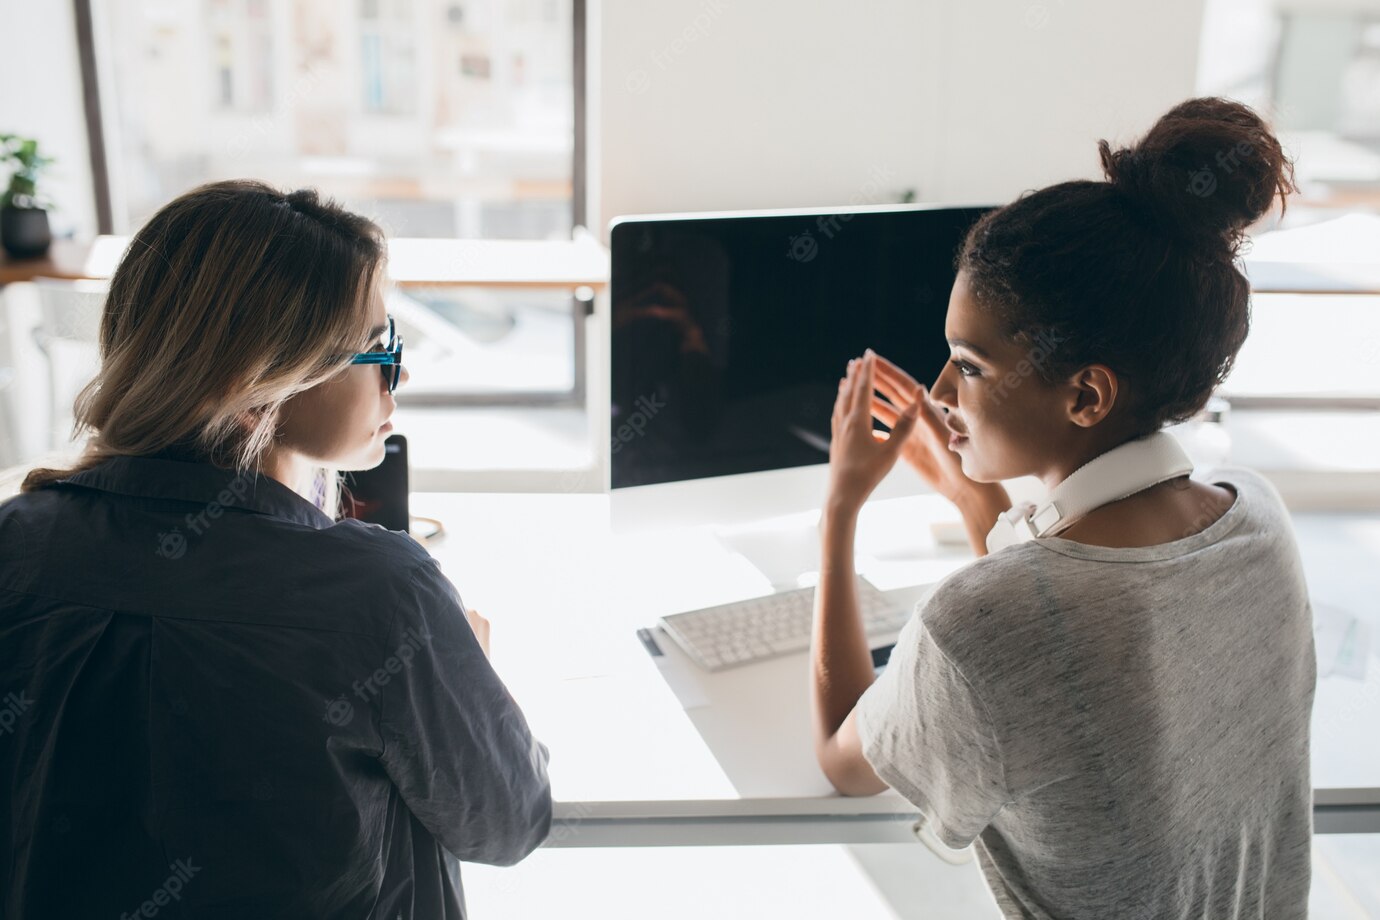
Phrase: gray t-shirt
[1123,731]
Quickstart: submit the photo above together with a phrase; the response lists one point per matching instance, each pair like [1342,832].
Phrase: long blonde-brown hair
[232,298]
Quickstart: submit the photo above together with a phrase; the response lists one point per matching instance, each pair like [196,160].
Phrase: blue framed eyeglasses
[389,358]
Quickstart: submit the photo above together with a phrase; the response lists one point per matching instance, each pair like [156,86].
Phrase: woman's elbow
[848,772]
[536,825]
[851,785]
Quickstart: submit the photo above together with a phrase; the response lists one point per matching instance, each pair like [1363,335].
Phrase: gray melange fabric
[1123,731]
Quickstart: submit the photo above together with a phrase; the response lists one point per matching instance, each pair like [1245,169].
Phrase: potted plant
[24,229]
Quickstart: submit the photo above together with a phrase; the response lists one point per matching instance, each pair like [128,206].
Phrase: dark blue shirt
[215,701]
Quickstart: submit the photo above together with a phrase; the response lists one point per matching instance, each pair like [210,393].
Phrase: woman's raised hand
[859,456]
[926,448]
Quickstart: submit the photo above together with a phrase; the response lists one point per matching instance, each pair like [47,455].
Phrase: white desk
[629,767]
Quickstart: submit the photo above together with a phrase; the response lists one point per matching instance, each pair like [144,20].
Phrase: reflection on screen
[729,334]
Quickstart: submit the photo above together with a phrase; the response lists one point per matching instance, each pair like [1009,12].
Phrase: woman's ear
[1093,395]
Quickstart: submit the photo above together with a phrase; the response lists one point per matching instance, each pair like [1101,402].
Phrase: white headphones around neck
[1125,470]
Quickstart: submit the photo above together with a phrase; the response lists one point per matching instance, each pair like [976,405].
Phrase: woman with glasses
[230,701]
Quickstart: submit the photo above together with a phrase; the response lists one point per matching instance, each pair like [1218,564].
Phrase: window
[1315,71]
[438,118]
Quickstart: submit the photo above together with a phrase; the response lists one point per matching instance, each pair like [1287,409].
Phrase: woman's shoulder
[1241,476]
[1260,499]
[1014,576]
[991,577]
[355,542]
[983,593]
[359,562]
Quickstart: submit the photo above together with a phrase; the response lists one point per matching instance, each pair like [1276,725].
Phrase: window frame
[580,310]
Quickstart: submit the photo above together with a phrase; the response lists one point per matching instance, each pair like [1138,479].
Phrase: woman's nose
[942,393]
[403,375]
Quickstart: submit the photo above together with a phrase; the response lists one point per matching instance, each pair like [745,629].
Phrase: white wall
[778,103]
[781,103]
[40,97]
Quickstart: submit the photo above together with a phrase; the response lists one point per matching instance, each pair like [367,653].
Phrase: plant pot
[24,232]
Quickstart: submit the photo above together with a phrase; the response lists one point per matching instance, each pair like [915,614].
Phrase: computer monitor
[729,331]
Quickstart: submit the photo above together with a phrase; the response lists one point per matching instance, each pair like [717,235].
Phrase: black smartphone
[379,496]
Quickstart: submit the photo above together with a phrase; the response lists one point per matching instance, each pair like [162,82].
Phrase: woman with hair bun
[234,703]
[1113,708]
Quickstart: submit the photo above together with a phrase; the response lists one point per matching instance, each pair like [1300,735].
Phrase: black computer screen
[729,334]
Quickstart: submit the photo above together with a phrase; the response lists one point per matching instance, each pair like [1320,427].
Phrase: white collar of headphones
[1122,471]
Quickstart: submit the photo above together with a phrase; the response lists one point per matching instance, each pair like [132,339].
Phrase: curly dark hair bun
[1208,169]
[1139,272]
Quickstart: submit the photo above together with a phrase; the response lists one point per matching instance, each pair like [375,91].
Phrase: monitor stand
[784,549]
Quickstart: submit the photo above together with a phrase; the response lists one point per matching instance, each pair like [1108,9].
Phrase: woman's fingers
[890,371]
[868,376]
[891,391]
[891,366]
[928,413]
[898,386]
[884,412]
[840,401]
[844,403]
[862,385]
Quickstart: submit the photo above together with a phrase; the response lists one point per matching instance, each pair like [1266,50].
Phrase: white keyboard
[765,627]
